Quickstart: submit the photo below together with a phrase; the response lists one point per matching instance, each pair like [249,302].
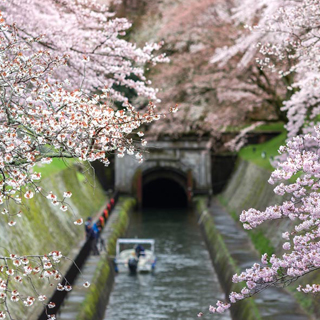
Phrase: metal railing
[78,262]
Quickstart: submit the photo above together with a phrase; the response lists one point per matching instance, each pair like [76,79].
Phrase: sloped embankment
[248,188]
[232,252]
[44,227]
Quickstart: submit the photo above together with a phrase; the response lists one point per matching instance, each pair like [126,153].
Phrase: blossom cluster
[296,178]
[18,272]
[41,120]
[283,38]
[296,26]
[87,29]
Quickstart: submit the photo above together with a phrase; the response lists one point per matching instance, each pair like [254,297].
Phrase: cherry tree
[213,98]
[301,246]
[40,119]
[79,28]
[283,40]
[243,51]
[295,32]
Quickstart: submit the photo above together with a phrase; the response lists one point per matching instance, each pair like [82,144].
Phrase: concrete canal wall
[248,188]
[232,251]
[223,262]
[44,227]
[89,304]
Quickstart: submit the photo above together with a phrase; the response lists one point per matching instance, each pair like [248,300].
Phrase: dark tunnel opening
[163,193]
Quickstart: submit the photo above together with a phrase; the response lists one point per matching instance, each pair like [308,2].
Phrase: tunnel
[164,188]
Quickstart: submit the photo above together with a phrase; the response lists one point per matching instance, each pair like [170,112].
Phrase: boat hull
[128,261]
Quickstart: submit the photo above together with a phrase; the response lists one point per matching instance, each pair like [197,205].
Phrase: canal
[184,281]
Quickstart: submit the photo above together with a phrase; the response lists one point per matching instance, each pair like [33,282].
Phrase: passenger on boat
[139,249]
[133,263]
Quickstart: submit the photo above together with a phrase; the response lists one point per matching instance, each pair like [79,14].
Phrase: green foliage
[54,167]
[253,152]
[261,242]
[81,177]
[271,127]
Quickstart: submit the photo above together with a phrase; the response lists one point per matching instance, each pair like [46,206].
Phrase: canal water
[184,281]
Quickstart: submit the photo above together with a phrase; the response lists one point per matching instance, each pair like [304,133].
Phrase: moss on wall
[44,227]
[97,291]
[97,297]
[224,264]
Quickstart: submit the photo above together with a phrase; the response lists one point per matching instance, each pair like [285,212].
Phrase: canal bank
[157,296]
[248,188]
[44,227]
[232,251]
[89,304]
[185,281]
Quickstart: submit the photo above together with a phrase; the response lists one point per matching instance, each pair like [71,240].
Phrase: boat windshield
[122,244]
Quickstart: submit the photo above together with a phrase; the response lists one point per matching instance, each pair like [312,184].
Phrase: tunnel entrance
[163,193]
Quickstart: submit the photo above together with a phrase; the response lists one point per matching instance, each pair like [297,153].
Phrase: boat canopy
[134,241]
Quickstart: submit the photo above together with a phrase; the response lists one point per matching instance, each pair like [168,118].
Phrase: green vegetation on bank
[261,242]
[268,127]
[271,127]
[54,167]
[260,154]
[224,263]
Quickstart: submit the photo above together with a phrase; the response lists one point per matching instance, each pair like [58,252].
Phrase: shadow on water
[184,281]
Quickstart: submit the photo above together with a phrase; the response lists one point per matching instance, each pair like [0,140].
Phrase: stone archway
[186,162]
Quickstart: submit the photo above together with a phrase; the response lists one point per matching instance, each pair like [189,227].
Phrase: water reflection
[184,281]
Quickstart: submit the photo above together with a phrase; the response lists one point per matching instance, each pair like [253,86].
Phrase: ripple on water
[184,282]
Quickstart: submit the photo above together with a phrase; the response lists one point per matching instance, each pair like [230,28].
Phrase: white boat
[136,259]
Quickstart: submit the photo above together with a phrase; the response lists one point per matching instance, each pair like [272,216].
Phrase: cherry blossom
[20,272]
[41,119]
[283,39]
[298,178]
[286,41]
[92,37]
